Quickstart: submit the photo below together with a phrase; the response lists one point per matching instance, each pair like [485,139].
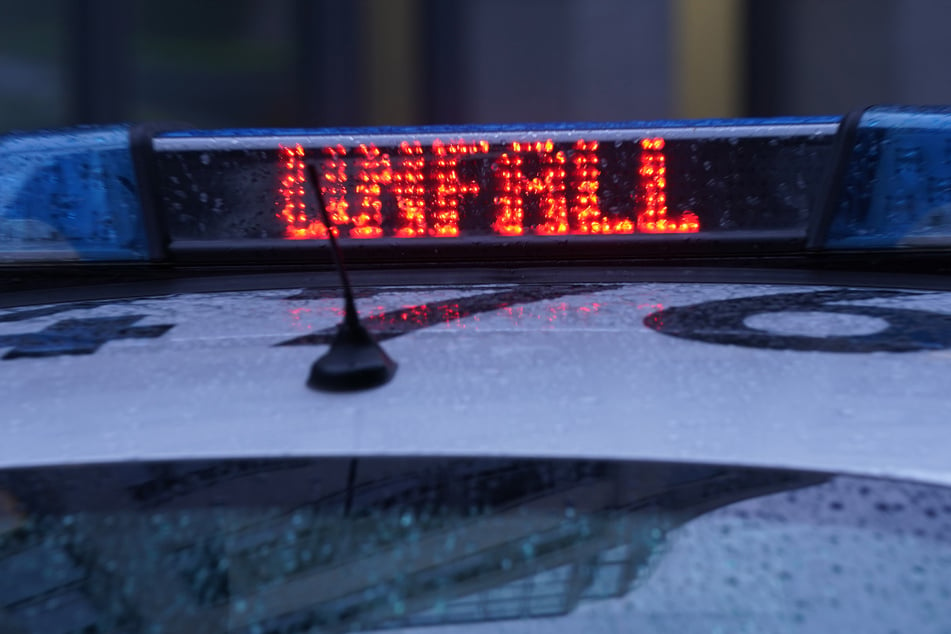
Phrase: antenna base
[354,362]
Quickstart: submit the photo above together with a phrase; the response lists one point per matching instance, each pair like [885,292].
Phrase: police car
[662,376]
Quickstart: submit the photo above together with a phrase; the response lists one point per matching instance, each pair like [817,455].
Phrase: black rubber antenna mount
[355,360]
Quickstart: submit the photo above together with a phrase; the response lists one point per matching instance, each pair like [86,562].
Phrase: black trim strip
[143,152]
[488,250]
[134,282]
[820,218]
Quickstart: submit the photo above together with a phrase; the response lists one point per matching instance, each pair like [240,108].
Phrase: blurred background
[366,62]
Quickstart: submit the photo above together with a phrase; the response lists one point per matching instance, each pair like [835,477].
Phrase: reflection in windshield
[374,543]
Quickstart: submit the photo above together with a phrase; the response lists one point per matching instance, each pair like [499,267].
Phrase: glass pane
[284,546]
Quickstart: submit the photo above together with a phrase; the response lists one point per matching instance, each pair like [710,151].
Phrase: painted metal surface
[602,370]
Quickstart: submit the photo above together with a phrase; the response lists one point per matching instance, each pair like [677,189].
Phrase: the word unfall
[430,190]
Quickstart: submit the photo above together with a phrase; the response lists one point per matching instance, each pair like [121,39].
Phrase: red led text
[430,188]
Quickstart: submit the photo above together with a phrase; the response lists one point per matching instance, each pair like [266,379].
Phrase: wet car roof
[807,377]
[586,360]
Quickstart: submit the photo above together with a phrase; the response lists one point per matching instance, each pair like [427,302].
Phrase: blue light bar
[893,186]
[70,195]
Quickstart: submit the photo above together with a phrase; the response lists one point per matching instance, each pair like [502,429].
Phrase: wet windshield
[480,544]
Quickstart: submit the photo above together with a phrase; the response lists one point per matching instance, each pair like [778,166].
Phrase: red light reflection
[537,308]
[301,318]
[450,314]
[656,315]
[548,316]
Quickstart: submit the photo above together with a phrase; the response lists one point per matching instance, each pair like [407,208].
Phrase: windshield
[467,544]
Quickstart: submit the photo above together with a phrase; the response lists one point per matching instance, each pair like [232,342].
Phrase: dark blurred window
[215,64]
[31,64]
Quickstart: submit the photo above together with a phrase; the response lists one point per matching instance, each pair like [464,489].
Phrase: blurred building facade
[370,62]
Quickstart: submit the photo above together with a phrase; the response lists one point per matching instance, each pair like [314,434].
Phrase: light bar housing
[640,188]
[875,180]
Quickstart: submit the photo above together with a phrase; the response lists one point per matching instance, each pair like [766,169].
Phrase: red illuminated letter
[653,171]
[410,189]
[513,185]
[585,206]
[294,209]
[333,188]
[449,187]
[333,176]
[374,171]
[409,185]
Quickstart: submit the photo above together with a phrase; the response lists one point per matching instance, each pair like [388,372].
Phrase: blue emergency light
[70,195]
[890,182]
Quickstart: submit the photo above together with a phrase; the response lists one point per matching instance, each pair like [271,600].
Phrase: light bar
[752,178]
[70,195]
[877,179]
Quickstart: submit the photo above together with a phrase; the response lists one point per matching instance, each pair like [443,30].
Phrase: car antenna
[355,360]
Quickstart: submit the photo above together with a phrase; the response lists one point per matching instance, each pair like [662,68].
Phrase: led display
[500,186]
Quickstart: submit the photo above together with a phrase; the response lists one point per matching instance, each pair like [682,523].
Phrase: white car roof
[812,380]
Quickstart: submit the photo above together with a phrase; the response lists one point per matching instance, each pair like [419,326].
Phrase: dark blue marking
[78,336]
[723,322]
[46,311]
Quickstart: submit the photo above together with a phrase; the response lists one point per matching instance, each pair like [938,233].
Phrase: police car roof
[682,362]
[811,377]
